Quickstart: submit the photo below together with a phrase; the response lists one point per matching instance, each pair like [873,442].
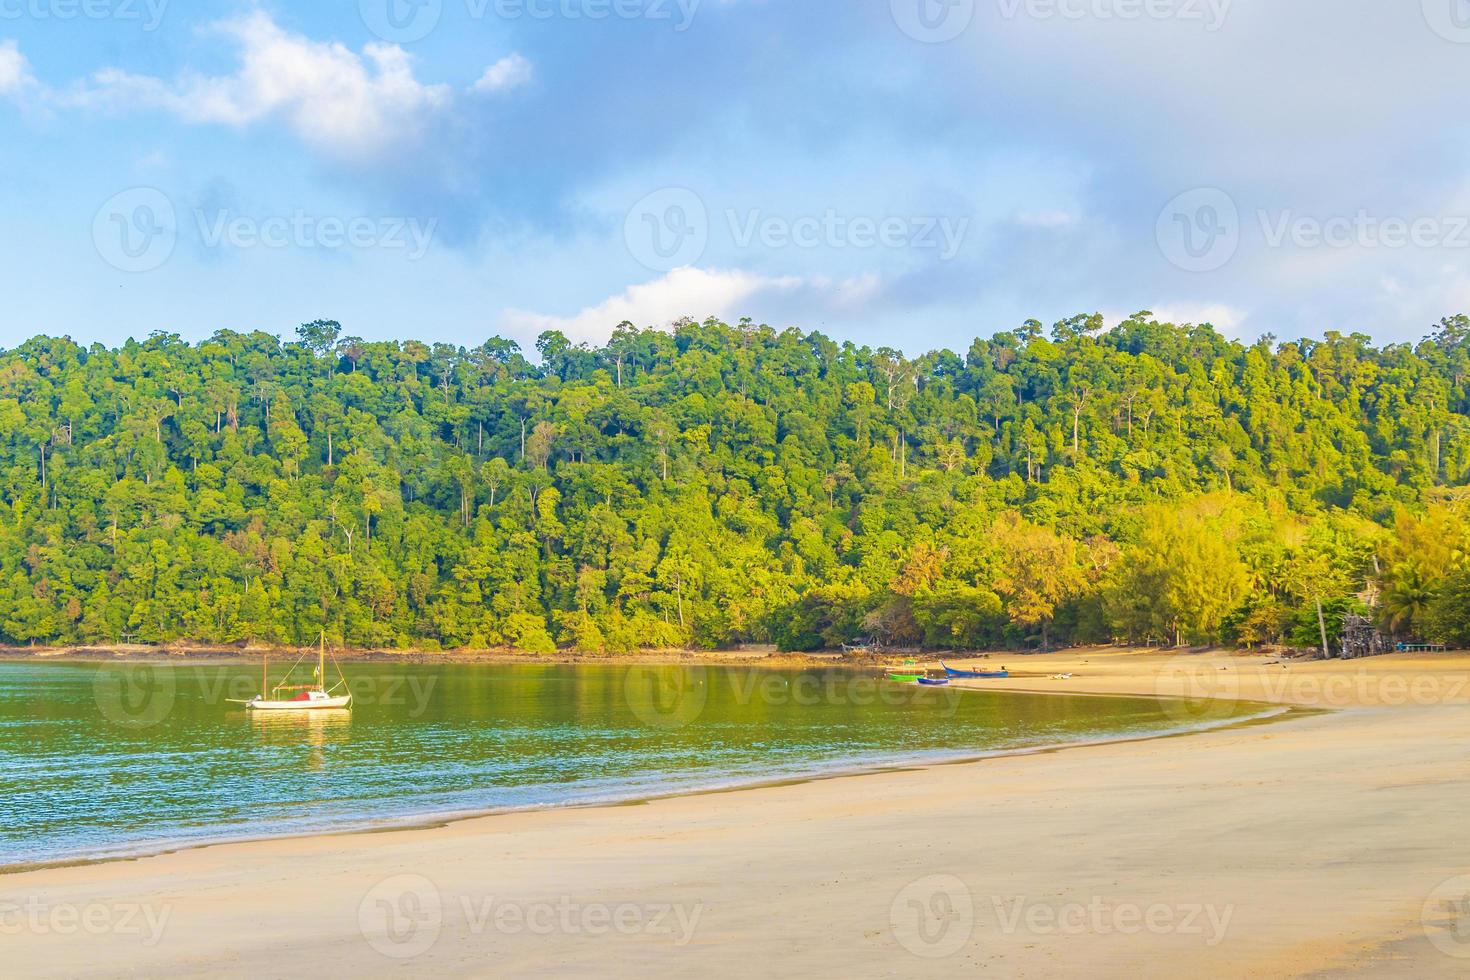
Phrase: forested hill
[718,484]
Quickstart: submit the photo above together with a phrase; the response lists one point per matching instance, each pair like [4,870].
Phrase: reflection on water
[313,730]
[102,759]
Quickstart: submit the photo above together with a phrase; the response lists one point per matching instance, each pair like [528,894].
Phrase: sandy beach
[1328,842]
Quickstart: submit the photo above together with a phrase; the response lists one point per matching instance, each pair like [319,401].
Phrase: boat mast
[321,663]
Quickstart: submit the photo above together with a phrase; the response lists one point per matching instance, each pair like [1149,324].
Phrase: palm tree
[1407,598]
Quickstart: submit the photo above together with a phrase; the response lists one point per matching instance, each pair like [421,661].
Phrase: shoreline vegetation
[755,656]
[724,484]
[1318,843]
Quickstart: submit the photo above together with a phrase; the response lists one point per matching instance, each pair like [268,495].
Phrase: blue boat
[933,681]
[950,671]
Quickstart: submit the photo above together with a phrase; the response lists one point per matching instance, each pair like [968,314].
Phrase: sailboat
[306,697]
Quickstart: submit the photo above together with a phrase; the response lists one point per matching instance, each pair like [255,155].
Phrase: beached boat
[933,681]
[952,672]
[302,697]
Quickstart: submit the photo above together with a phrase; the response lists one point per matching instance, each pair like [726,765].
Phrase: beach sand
[1328,842]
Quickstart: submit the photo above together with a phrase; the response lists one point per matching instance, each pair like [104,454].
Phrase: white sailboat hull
[316,702]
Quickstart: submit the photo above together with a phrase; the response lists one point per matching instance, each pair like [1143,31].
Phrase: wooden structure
[1360,638]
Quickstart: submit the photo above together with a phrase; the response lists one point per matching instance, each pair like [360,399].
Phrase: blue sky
[904,172]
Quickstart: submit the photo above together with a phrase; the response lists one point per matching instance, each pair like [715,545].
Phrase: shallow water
[102,760]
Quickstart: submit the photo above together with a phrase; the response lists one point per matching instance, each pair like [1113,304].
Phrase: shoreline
[848,769]
[190,654]
[1326,841]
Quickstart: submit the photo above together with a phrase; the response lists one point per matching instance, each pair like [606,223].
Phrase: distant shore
[1020,661]
[186,653]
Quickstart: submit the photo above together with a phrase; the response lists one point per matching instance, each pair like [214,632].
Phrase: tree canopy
[717,484]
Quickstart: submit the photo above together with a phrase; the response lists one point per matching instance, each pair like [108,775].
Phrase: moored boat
[952,672]
[306,697]
[904,678]
[933,681]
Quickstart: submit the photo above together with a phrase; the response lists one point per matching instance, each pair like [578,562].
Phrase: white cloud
[15,70]
[337,101]
[509,72]
[348,105]
[1226,319]
[684,292]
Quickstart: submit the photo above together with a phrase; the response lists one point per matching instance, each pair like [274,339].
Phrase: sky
[910,173]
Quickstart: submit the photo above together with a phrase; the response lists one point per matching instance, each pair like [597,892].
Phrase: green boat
[904,678]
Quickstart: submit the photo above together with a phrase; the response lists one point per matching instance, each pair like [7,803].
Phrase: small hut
[1360,638]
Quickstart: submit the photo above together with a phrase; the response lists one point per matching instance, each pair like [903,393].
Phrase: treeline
[718,484]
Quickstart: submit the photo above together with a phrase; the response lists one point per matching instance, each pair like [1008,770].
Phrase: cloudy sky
[903,172]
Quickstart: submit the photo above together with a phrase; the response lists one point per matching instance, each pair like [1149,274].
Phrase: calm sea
[103,760]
